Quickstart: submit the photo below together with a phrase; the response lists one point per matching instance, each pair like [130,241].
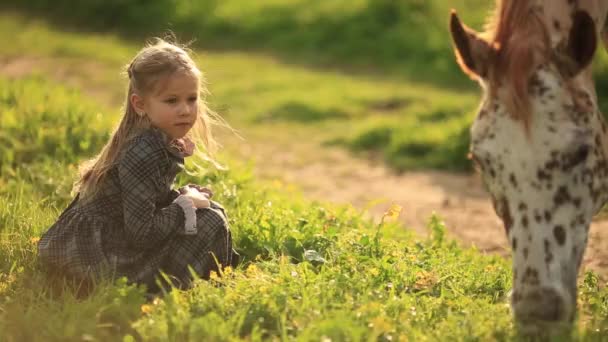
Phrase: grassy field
[407,124]
[312,271]
[381,35]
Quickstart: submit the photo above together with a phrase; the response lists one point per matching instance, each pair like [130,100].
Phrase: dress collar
[170,144]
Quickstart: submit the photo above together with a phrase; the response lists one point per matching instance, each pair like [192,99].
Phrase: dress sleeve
[139,171]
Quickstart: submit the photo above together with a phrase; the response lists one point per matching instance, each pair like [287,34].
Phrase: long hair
[517,32]
[151,66]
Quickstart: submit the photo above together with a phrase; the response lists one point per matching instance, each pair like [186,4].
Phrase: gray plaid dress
[134,226]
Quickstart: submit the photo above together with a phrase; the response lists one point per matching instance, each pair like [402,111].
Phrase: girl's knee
[211,221]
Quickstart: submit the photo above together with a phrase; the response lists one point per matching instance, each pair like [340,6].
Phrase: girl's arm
[140,179]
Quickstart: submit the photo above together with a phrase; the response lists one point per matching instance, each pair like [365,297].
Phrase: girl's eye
[193,99]
[172,100]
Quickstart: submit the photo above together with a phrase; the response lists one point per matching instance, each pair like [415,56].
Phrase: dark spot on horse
[561,196]
[560,234]
[537,217]
[502,209]
[525,252]
[547,216]
[523,206]
[542,175]
[524,221]
[514,243]
[548,254]
[556,24]
[530,276]
[513,180]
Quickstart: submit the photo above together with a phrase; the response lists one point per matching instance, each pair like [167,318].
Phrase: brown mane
[521,41]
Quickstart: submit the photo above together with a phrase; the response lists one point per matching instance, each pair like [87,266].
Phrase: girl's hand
[202,189]
[199,188]
[199,199]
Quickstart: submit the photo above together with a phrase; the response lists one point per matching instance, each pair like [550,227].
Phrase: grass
[311,271]
[335,107]
[371,34]
[374,73]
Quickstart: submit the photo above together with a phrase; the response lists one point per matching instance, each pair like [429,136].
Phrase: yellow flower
[380,324]
[35,240]
[393,212]
[252,269]
[146,308]
[227,270]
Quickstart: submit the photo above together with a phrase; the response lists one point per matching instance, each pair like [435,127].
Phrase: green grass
[370,34]
[333,106]
[311,270]
[376,76]
[406,38]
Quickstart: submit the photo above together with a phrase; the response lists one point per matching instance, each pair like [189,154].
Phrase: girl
[126,220]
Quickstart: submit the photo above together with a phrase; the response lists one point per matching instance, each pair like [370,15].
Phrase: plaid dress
[135,226]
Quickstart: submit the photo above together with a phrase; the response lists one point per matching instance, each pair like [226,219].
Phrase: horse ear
[472,52]
[582,43]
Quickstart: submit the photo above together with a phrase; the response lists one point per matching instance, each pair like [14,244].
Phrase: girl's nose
[184,110]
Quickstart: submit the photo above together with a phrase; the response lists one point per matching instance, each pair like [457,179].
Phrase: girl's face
[173,107]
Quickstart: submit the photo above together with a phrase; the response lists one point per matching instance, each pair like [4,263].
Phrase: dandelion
[392,213]
[146,308]
[252,269]
[35,240]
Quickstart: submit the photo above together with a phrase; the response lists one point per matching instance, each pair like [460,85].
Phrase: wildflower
[146,308]
[392,213]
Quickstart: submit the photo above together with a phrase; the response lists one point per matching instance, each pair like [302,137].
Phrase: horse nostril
[544,304]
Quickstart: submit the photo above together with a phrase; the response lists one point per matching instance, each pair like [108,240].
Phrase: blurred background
[349,101]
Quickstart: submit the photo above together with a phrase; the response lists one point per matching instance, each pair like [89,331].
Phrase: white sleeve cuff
[189,214]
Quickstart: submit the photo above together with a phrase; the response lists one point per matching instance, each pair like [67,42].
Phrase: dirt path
[331,174]
[334,175]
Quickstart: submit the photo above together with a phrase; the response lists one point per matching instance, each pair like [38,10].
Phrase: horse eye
[579,156]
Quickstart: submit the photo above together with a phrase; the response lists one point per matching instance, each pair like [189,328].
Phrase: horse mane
[521,41]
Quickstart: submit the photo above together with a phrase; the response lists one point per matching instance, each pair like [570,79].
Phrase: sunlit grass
[252,90]
[311,270]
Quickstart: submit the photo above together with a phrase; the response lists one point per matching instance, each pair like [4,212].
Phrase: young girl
[126,220]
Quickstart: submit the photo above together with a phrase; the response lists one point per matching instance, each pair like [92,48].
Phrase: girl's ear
[138,103]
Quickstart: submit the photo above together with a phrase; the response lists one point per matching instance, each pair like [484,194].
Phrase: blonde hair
[158,60]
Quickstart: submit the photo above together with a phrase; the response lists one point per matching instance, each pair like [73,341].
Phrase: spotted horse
[540,142]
